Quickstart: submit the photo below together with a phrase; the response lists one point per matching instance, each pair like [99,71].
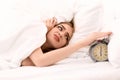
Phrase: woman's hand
[95,36]
[99,35]
[50,23]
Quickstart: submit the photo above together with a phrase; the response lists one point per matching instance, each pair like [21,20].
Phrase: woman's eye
[60,28]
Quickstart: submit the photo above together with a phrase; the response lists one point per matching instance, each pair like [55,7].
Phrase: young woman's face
[59,36]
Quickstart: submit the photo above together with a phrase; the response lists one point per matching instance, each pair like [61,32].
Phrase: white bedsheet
[74,70]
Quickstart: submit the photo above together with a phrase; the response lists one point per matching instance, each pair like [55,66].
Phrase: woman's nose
[62,34]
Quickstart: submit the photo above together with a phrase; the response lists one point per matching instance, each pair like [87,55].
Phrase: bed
[70,71]
[88,16]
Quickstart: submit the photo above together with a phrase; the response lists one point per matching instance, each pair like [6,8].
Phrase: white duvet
[21,45]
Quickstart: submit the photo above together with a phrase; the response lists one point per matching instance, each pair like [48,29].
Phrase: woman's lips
[56,37]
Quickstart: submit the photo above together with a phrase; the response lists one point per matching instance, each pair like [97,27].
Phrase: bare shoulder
[34,55]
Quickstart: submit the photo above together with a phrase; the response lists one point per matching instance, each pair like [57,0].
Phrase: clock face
[99,52]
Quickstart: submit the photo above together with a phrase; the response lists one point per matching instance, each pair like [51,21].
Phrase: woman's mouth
[56,37]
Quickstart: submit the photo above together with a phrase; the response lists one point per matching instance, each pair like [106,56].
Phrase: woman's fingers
[109,33]
[50,23]
[54,21]
[102,35]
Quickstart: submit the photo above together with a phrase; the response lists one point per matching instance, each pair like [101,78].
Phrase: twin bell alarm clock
[98,50]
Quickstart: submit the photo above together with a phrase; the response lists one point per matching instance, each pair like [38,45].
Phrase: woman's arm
[27,62]
[44,59]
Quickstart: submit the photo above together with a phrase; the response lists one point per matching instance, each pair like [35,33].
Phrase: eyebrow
[63,27]
[67,32]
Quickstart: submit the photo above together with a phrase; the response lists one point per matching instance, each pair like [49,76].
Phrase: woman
[58,36]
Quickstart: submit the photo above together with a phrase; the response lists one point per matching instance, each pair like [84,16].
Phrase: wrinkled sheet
[21,45]
[69,69]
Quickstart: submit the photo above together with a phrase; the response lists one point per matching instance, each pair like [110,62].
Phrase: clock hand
[100,51]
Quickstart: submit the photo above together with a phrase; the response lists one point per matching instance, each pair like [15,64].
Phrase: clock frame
[98,50]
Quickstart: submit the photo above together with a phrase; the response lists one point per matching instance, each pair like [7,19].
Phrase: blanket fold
[21,45]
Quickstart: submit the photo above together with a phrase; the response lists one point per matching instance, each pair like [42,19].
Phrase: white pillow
[16,14]
[114,45]
[87,19]
[35,10]
[112,23]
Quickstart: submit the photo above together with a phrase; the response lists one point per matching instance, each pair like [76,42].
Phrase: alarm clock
[98,50]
